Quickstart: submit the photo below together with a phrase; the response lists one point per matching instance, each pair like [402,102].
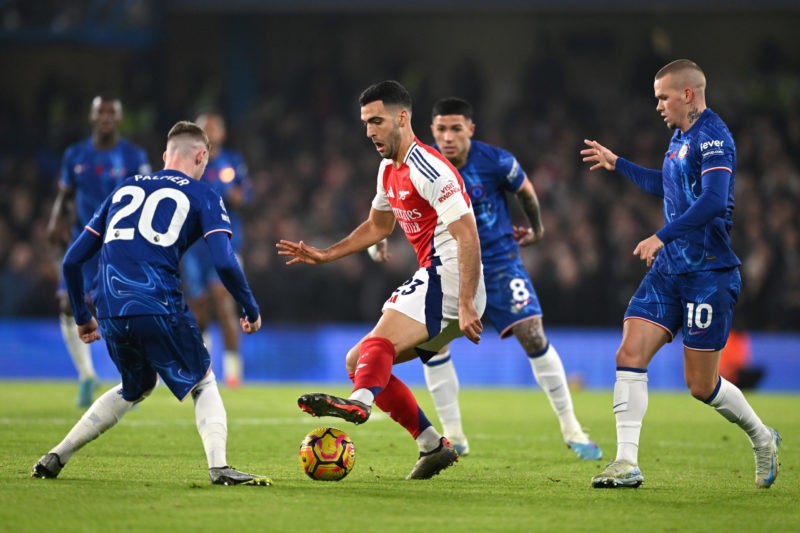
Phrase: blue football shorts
[169,345]
[700,304]
[510,296]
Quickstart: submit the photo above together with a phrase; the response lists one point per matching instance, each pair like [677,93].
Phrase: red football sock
[374,366]
[398,401]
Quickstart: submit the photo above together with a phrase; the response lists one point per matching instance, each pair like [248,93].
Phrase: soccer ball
[327,454]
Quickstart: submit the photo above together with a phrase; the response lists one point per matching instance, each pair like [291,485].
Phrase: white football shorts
[431,298]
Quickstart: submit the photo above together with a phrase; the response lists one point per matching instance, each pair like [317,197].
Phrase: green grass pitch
[149,472]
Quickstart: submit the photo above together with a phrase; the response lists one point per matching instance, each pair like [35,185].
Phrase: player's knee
[536,344]
[530,335]
[148,389]
[628,357]
[210,380]
[352,359]
[143,396]
[700,389]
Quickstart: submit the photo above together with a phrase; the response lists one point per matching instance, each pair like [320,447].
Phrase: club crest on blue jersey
[476,191]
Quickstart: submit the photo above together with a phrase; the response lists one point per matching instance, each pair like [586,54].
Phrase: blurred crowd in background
[313,177]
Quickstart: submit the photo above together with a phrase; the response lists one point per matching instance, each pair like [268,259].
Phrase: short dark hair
[389,91]
[452,105]
[185,127]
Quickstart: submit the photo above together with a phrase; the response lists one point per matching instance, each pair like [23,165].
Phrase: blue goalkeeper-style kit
[92,174]
[224,173]
[142,229]
[694,282]
[489,174]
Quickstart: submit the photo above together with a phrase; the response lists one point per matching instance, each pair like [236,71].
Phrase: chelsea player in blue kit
[90,170]
[694,280]
[227,174]
[141,231]
[512,306]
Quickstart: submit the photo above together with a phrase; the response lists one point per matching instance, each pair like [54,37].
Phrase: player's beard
[393,144]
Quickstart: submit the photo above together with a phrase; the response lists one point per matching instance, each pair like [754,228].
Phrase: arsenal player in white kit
[443,300]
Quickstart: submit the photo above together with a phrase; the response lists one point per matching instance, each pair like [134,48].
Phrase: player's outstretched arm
[599,156]
[526,196]
[465,231]
[377,227]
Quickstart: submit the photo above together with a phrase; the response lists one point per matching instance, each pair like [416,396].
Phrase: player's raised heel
[227,475]
[48,467]
[585,448]
[319,404]
[767,461]
[431,463]
[618,474]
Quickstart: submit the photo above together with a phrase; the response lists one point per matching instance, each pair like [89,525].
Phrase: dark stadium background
[286,74]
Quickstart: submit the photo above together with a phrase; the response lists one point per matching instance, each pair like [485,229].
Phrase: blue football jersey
[146,225]
[226,171]
[706,146]
[488,174]
[94,173]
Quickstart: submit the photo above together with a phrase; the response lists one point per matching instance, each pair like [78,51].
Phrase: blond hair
[186,136]
[685,72]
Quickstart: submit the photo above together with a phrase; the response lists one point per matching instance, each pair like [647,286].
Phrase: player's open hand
[300,252]
[469,322]
[250,327]
[648,249]
[88,332]
[599,155]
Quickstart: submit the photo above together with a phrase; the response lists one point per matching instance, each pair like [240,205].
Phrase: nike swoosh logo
[617,405]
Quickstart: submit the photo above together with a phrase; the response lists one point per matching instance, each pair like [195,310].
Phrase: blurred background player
[227,174]
[694,281]
[512,305]
[90,170]
[141,231]
[736,362]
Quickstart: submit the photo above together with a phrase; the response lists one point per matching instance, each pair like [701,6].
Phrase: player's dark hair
[389,91]
[185,127]
[452,105]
